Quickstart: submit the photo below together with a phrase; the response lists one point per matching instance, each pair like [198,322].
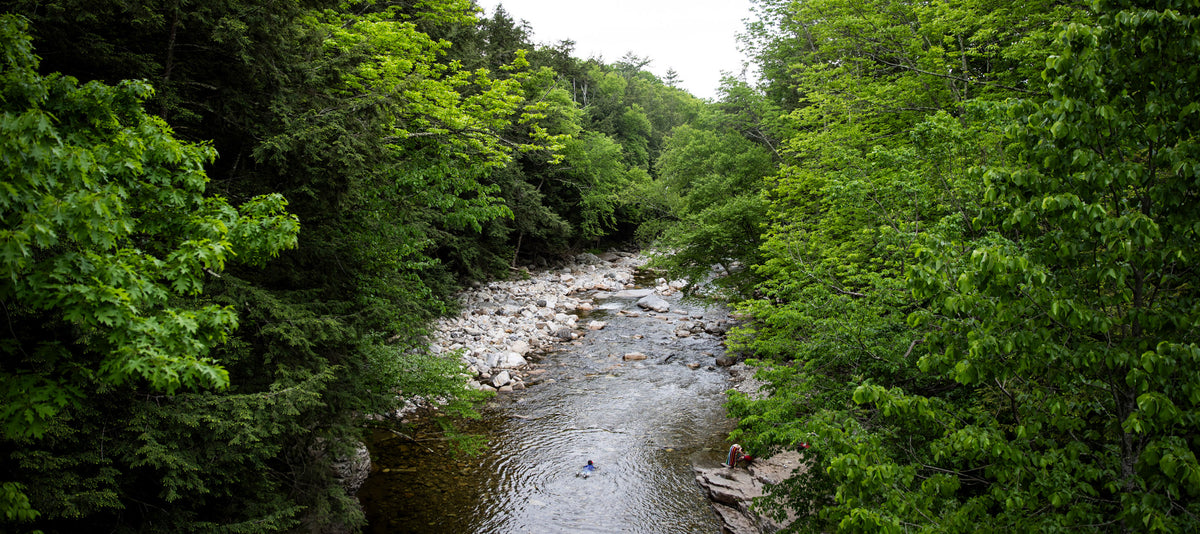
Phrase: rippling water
[643,423]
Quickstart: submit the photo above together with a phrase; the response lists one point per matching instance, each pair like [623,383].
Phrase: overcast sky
[697,38]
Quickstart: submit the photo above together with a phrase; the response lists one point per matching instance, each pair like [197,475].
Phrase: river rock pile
[504,323]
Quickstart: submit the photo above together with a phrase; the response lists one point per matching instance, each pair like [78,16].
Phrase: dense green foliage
[977,297]
[178,362]
[963,234]
[710,196]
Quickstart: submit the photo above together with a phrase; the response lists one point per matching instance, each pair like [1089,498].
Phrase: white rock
[654,302]
[501,379]
[512,360]
[633,293]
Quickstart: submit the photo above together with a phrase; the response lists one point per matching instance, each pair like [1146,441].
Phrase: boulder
[655,303]
[512,360]
[587,258]
[634,356]
[501,379]
[632,293]
[352,470]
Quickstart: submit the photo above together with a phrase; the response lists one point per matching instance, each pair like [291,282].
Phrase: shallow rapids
[645,423]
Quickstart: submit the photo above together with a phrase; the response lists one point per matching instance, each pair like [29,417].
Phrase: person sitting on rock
[736,454]
[588,469]
[746,458]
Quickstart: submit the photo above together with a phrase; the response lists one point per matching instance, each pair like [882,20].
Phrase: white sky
[697,38]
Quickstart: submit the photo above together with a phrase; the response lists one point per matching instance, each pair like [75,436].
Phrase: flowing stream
[644,423]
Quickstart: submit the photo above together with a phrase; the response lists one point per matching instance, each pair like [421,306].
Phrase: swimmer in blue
[588,469]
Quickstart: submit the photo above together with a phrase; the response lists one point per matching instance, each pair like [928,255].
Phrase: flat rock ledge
[733,490]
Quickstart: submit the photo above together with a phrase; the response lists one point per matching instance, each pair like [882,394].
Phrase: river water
[644,423]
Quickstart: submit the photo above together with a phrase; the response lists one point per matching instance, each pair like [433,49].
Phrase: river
[645,423]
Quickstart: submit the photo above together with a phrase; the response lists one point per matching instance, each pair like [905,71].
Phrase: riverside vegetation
[963,237]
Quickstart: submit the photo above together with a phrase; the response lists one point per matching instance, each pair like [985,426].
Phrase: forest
[962,237]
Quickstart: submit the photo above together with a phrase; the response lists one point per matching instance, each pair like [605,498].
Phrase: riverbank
[620,370]
[505,325]
[733,490]
[598,318]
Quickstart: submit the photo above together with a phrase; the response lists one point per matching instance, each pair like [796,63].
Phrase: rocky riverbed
[640,379]
[504,323]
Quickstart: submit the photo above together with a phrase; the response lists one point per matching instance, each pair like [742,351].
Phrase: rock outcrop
[733,491]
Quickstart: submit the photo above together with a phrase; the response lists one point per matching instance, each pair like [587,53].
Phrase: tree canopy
[976,299]
[962,236]
[217,274]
